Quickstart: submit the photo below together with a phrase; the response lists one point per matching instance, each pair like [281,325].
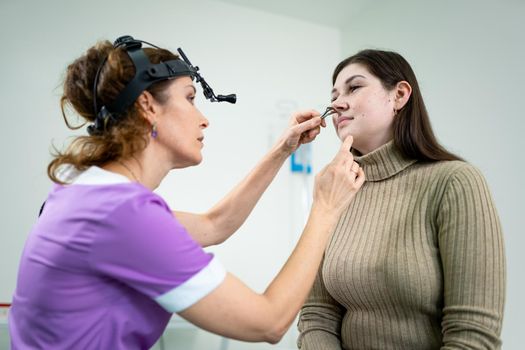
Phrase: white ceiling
[324,12]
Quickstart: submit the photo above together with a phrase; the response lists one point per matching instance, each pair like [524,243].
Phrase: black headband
[146,74]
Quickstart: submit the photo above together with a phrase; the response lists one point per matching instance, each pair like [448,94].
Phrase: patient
[417,259]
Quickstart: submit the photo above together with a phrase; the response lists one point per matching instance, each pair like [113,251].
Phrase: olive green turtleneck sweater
[416,262]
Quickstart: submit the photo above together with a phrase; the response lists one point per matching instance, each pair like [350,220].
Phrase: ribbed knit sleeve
[472,254]
[320,319]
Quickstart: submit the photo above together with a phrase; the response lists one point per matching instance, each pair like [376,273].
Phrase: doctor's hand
[337,184]
[304,126]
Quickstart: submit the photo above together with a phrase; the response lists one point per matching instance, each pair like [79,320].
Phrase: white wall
[274,64]
[469,57]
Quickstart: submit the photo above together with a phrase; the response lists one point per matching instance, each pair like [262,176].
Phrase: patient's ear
[403,90]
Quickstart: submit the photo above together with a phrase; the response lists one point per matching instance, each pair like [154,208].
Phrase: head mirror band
[146,73]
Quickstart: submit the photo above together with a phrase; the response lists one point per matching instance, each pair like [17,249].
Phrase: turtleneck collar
[383,162]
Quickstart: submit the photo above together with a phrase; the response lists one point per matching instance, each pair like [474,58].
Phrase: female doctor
[108,262]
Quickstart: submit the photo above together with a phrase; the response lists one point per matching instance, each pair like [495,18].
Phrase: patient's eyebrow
[349,80]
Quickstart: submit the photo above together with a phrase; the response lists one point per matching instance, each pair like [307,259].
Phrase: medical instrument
[328,111]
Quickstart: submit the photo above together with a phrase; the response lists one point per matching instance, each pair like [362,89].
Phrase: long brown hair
[413,133]
[120,140]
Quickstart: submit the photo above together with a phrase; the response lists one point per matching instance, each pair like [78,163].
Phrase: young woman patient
[416,260]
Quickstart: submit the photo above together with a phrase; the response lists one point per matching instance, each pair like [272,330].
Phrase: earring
[154,132]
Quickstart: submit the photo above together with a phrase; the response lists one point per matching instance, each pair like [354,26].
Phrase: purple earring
[154,132]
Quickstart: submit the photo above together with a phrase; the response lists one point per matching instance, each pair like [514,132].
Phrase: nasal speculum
[327,112]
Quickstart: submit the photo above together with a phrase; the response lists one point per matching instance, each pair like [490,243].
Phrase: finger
[310,136]
[347,143]
[302,116]
[355,167]
[304,126]
[351,171]
[344,151]
[349,167]
[312,133]
[355,173]
[360,179]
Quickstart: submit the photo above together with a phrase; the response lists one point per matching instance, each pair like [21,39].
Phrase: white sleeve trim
[194,289]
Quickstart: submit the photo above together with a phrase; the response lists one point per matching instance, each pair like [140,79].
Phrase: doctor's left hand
[303,128]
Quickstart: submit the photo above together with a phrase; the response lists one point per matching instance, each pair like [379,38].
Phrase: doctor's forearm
[231,212]
[221,221]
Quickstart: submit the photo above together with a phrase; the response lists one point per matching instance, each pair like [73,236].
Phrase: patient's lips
[343,120]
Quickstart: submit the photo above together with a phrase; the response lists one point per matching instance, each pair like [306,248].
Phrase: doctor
[108,262]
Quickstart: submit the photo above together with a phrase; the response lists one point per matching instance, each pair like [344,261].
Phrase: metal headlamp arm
[206,89]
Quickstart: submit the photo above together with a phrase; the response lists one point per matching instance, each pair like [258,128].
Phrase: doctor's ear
[403,91]
[147,105]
